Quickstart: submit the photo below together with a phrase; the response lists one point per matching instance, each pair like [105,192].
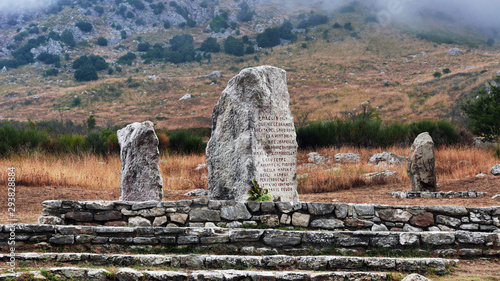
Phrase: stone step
[128,274]
[273,262]
[232,241]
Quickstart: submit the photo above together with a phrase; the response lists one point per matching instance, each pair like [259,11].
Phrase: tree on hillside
[484,114]
[84,26]
[86,73]
[210,45]
[234,46]
[68,38]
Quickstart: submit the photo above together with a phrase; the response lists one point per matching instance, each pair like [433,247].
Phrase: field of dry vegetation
[42,177]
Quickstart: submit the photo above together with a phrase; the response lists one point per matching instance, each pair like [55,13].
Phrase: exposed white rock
[495,170]
[387,158]
[454,51]
[186,96]
[347,157]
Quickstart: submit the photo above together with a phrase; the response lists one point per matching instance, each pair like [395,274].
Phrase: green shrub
[14,140]
[101,41]
[84,26]
[68,38]
[86,73]
[143,47]
[127,59]
[245,14]
[69,143]
[48,58]
[234,46]
[437,74]
[210,45]
[446,71]
[218,23]
[51,72]
[184,142]
[96,143]
[362,132]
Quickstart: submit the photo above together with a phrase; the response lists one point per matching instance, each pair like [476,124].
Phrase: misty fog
[15,6]
[481,14]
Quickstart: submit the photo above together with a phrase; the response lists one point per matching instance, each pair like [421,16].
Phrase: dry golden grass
[452,163]
[179,171]
[48,177]
[99,173]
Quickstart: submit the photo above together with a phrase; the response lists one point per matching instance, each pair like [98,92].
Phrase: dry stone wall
[328,216]
[247,241]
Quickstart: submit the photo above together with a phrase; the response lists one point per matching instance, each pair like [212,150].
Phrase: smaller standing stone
[4,69]
[422,164]
[140,174]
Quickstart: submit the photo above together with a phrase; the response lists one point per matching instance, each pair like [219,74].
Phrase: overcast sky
[480,13]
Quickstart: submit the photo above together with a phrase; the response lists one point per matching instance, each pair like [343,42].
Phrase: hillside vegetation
[126,61]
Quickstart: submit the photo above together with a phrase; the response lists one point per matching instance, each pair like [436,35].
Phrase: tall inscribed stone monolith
[140,173]
[253,136]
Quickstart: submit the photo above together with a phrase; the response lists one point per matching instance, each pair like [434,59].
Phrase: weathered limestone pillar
[422,164]
[253,136]
[140,173]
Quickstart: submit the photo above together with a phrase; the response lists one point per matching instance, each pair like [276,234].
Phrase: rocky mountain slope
[143,56]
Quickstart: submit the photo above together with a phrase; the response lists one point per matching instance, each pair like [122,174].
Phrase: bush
[96,143]
[127,59]
[446,71]
[76,102]
[101,41]
[70,143]
[245,14]
[123,34]
[166,25]
[313,20]
[185,143]
[51,72]
[84,26]
[54,35]
[67,38]
[218,23]
[98,62]
[371,133]
[87,72]
[234,46]
[271,36]
[137,4]
[143,47]
[14,140]
[437,74]
[48,58]
[191,23]
[210,45]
